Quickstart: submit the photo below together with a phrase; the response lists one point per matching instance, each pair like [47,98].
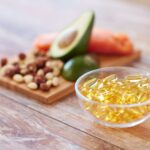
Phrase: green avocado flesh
[74,39]
[77,66]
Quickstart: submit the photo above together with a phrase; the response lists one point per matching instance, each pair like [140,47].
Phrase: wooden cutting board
[65,87]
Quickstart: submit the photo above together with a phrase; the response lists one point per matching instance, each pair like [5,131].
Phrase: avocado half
[74,39]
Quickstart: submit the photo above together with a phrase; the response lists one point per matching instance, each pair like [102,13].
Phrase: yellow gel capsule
[110,78]
[132,89]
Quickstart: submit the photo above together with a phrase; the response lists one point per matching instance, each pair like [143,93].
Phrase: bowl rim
[111,105]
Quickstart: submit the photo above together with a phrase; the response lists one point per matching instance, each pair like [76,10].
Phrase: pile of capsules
[132,89]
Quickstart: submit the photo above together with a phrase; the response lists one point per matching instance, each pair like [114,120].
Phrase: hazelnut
[9,72]
[39,80]
[32,67]
[22,56]
[3,62]
[39,53]
[44,87]
[40,62]
[16,69]
[36,53]
[15,63]
[46,70]
[33,74]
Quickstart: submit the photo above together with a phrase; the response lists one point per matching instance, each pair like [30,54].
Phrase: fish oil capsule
[134,78]
[89,82]
[111,90]
[111,78]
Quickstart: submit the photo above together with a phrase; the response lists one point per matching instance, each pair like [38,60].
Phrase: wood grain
[108,61]
[69,112]
[31,130]
[54,94]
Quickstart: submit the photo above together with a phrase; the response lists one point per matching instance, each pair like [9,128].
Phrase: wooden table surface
[26,124]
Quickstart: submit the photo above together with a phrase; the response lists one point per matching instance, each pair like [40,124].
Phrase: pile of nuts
[37,71]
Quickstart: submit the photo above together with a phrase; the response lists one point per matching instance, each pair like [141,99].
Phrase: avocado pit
[67,38]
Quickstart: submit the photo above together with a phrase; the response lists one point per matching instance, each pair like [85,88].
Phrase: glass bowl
[127,115]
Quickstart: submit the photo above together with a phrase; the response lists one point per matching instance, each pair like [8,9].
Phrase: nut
[9,72]
[22,66]
[32,67]
[44,87]
[18,78]
[33,74]
[49,64]
[39,80]
[40,62]
[22,56]
[32,86]
[46,70]
[49,76]
[28,78]
[24,71]
[55,81]
[3,62]
[15,63]
[35,53]
[40,72]
[49,82]
[16,69]
[58,63]
[39,53]
[56,72]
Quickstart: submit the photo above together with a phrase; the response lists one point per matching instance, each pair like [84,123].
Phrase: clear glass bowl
[130,114]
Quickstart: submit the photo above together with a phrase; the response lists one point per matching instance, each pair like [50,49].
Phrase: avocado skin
[77,66]
[81,47]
